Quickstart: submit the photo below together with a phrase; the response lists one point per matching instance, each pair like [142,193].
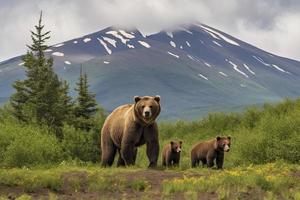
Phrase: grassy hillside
[263,161]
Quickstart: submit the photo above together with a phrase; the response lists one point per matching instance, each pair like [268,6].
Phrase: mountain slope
[196,69]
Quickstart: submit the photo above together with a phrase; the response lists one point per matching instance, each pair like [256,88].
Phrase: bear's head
[147,108]
[223,143]
[176,146]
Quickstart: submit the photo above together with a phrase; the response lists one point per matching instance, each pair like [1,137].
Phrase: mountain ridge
[196,69]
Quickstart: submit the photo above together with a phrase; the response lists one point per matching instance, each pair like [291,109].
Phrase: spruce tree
[86,106]
[41,97]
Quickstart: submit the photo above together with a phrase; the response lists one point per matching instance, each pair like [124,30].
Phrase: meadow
[263,162]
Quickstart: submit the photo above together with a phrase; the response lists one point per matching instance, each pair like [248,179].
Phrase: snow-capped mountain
[196,69]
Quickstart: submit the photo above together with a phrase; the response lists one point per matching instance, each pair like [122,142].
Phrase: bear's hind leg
[108,153]
[204,162]
[120,162]
[195,162]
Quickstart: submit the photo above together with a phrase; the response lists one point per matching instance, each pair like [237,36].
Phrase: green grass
[273,180]
[263,161]
[265,181]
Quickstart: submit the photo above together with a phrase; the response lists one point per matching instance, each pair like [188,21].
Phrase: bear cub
[171,153]
[211,150]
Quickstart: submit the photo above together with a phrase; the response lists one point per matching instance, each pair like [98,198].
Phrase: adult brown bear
[128,127]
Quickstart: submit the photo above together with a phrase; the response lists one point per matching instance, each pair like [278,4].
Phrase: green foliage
[41,97]
[86,106]
[81,144]
[27,145]
[259,135]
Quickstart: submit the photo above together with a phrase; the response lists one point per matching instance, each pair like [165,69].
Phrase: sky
[273,25]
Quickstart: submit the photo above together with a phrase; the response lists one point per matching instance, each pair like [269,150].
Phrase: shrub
[80,144]
[27,146]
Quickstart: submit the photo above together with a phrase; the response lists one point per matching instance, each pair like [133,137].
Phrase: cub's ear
[137,99]
[229,138]
[218,138]
[157,98]
[171,142]
[180,142]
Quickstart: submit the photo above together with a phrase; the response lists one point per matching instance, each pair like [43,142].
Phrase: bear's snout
[178,150]
[147,112]
[226,148]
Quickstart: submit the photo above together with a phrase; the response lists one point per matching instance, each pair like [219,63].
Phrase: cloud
[269,24]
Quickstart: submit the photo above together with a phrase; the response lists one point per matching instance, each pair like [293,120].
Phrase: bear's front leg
[211,155]
[128,153]
[151,138]
[220,160]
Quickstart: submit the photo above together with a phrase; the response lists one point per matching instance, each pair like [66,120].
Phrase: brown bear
[208,151]
[171,153]
[128,127]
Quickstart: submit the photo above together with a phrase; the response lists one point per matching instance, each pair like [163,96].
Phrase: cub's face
[147,107]
[176,146]
[223,143]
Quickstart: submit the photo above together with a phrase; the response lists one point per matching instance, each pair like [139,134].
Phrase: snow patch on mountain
[86,40]
[106,62]
[217,43]
[59,45]
[21,64]
[67,62]
[48,50]
[202,76]
[110,41]
[116,34]
[59,54]
[212,35]
[223,74]
[230,41]
[207,64]
[191,57]
[170,34]
[75,42]
[105,46]
[278,68]
[261,61]
[248,68]
[127,35]
[172,54]
[235,67]
[130,46]
[187,43]
[145,44]
[173,44]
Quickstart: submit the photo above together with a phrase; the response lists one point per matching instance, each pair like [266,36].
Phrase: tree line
[43,98]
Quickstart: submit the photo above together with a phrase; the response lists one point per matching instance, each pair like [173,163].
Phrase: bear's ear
[229,138]
[157,98]
[218,138]
[171,142]
[137,99]
[180,142]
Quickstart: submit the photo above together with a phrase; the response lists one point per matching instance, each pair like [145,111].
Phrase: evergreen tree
[86,105]
[41,97]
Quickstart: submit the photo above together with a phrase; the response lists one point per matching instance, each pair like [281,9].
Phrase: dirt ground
[153,177]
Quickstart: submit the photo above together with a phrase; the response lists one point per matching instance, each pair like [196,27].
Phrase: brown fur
[170,156]
[208,151]
[126,128]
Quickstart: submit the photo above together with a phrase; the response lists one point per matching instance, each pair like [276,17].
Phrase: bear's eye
[150,106]
[143,106]
[223,145]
